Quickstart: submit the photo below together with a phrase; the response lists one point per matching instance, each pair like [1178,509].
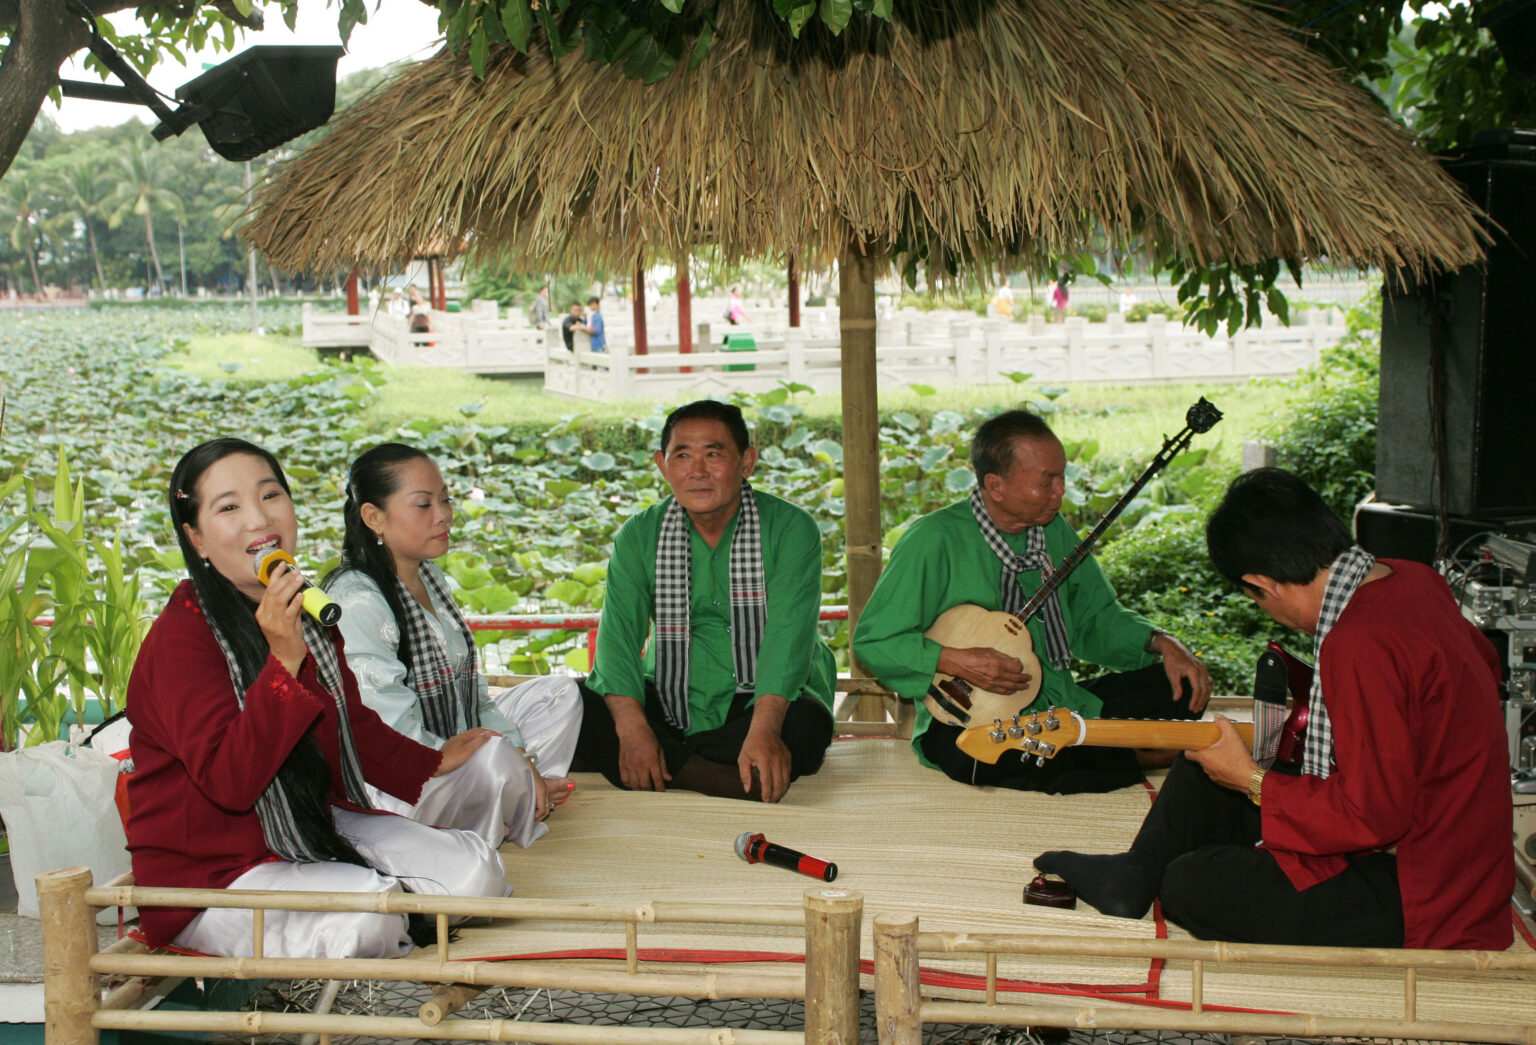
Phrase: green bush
[1142,309]
[1161,570]
[1329,436]
[1092,313]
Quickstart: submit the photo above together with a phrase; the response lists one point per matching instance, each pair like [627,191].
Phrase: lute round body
[969,627]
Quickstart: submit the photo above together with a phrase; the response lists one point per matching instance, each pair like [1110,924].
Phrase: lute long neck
[1200,418]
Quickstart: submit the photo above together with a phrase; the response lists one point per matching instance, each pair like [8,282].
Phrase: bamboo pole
[1216,951]
[475,906]
[897,987]
[712,985]
[861,439]
[1275,1025]
[832,919]
[70,988]
[447,999]
[267,1023]
[126,993]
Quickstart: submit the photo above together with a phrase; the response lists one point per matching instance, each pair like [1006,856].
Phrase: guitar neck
[1157,733]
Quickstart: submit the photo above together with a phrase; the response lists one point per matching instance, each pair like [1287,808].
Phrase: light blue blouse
[373,645]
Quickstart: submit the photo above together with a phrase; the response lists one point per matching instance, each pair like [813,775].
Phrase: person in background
[538,310]
[569,323]
[594,325]
[420,311]
[736,309]
[416,663]
[253,754]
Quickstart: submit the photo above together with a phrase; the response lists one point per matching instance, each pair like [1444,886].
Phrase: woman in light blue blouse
[415,658]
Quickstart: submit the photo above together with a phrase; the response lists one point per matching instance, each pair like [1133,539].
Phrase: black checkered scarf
[1344,578]
[1058,647]
[274,808]
[449,699]
[674,587]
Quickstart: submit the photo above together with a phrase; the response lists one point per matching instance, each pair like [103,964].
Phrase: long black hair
[304,773]
[374,478]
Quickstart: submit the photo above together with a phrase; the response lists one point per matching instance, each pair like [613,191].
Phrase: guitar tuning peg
[1051,721]
[997,733]
[1040,760]
[1032,727]
[1014,729]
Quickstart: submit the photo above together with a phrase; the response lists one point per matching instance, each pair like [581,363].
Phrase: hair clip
[182,496]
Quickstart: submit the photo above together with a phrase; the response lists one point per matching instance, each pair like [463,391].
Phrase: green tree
[19,193]
[141,193]
[81,185]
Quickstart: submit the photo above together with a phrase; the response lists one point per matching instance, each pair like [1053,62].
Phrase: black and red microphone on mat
[755,849]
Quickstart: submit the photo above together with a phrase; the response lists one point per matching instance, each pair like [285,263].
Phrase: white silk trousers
[494,793]
[426,859]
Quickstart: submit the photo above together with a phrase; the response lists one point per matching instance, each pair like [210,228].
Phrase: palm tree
[18,199]
[81,188]
[140,193]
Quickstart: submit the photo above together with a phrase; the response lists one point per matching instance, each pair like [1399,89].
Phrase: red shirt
[1421,764]
[200,760]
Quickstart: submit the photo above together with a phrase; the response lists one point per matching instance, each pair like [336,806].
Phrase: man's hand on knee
[642,767]
[1183,666]
[765,750]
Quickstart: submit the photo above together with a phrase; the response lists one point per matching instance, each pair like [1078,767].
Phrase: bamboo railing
[75,1012]
[901,1011]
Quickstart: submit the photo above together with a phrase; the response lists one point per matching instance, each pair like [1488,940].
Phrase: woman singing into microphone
[415,657]
[251,748]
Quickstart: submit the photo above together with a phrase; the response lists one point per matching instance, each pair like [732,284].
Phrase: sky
[398,29]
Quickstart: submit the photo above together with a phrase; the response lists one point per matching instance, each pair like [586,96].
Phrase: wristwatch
[1151,644]
[1256,786]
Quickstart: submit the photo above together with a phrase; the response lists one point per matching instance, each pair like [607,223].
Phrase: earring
[207,565]
[378,539]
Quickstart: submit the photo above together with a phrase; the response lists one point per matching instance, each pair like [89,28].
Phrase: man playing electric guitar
[1396,832]
[989,551]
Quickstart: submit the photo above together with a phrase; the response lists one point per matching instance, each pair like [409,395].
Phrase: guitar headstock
[1040,736]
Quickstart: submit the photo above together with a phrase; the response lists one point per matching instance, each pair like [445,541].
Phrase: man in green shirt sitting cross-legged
[989,551]
[711,673]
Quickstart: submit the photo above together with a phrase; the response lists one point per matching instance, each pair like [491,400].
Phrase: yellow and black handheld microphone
[317,603]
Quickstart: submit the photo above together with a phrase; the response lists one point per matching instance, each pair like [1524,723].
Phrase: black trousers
[1131,694]
[807,731]
[1219,886]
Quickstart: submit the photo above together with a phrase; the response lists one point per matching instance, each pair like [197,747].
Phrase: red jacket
[200,761]
[1421,764]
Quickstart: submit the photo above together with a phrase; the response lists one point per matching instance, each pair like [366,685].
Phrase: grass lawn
[1131,419]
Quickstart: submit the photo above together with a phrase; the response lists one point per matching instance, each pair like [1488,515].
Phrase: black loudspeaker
[1487,364]
[1514,31]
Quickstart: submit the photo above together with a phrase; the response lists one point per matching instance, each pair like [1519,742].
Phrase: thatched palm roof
[1002,132]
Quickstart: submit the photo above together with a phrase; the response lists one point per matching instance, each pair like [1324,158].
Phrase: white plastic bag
[58,807]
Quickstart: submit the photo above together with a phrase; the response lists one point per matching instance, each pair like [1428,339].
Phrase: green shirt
[792,659]
[943,561]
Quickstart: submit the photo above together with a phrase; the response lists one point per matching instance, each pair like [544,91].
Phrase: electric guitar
[1044,735]
[960,703]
